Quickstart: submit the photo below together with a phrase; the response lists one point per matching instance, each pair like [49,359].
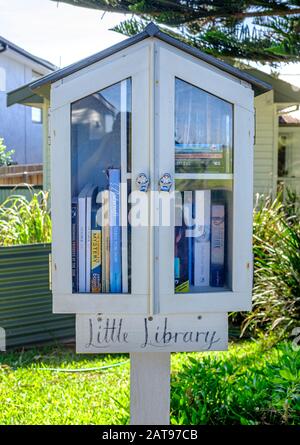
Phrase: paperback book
[217,245]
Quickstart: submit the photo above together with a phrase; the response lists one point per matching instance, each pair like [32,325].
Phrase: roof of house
[6,44]
[151,30]
[288,120]
[284,92]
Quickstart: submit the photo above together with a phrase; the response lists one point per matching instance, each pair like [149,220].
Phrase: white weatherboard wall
[265,149]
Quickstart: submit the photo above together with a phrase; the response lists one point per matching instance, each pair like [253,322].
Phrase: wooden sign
[98,333]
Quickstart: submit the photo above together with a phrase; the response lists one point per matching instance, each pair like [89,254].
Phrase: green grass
[252,383]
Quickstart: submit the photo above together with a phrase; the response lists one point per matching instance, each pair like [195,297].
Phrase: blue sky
[64,34]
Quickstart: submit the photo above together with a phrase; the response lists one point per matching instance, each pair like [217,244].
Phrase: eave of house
[18,52]
[285,93]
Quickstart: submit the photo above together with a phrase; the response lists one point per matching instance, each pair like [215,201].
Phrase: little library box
[151,195]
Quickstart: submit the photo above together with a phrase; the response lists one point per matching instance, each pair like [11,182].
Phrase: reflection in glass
[203,131]
[101,160]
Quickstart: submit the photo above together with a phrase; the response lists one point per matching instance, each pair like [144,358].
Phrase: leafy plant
[5,155]
[276,246]
[23,221]
[251,384]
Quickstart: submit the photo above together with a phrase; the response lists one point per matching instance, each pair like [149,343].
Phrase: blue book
[74,213]
[114,178]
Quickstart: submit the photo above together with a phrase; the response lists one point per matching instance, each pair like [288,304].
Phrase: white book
[82,238]
[217,245]
[202,212]
[90,198]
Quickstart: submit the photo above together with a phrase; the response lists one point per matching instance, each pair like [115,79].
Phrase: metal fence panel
[8,190]
[25,298]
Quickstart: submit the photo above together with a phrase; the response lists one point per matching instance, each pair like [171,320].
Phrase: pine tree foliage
[259,30]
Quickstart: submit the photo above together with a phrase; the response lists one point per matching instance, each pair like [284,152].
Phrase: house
[21,127]
[273,163]
[277,141]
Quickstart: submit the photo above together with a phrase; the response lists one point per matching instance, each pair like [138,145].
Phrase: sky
[64,34]
[57,32]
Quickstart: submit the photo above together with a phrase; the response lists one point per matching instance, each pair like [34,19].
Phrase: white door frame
[134,64]
[171,65]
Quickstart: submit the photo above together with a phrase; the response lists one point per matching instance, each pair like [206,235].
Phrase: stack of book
[97,238]
[200,244]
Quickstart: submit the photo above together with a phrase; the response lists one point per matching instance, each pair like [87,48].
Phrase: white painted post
[150,388]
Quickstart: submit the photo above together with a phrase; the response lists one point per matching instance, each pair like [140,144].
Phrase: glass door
[100,160]
[101,183]
[202,142]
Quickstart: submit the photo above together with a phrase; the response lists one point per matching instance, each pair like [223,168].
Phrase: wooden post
[150,388]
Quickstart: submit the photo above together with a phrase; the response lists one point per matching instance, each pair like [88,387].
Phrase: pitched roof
[151,30]
[6,44]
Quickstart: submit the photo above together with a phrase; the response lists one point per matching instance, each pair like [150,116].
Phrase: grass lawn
[252,383]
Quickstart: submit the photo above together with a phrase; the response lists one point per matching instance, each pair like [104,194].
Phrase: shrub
[23,221]
[250,384]
[276,248]
[5,155]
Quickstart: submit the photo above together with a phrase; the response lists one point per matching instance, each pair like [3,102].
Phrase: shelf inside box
[205,289]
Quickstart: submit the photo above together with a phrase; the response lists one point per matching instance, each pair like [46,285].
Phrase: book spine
[188,221]
[88,244]
[81,244]
[202,238]
[105,241]
[74,245]
[115,231]
[96,255]
[217,245]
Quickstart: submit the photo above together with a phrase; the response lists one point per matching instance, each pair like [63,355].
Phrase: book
[115,230]
[217,245]
[90,201]
[202,212]
[74,234]
[105,241]
[181,271]
[189,230]
[82,238]
[96,255]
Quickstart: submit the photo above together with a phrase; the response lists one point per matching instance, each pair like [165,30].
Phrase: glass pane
[203,131]
[203,235]
[101,161]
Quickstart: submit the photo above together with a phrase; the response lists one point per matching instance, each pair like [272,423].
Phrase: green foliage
[265,31]
[249,385]
[5,155]
[252,383]
[23,221]
[276,293]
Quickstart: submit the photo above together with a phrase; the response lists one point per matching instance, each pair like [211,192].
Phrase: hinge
[50,271]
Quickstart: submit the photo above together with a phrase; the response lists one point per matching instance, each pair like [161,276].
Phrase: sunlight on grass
[252,383]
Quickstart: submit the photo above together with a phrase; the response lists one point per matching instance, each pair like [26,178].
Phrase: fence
[8,190]
[25,298]
[17,174]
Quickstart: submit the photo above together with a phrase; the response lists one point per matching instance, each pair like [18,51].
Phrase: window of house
[2,79]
